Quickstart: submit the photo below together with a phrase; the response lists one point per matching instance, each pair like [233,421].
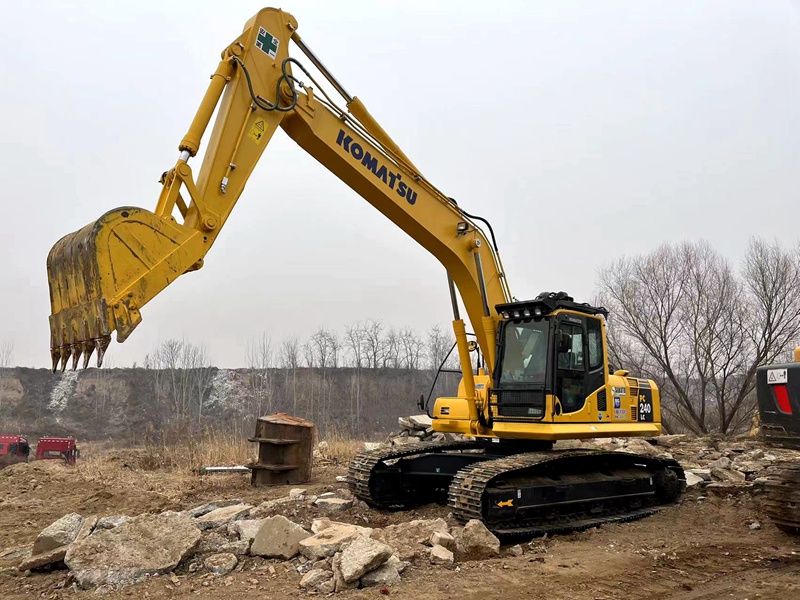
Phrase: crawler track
[523,494]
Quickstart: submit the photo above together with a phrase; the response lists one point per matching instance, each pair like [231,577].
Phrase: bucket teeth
[101,344]
[55,354]
[64,358]
[88,349]
[76,354]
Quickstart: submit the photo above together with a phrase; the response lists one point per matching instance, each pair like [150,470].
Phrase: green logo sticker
[267,43]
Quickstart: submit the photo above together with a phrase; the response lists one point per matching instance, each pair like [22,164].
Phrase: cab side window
[572,359]
[595,342]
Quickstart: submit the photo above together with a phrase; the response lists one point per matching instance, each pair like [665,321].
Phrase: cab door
[570,365]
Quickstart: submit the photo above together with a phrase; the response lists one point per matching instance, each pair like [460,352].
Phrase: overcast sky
[583,130]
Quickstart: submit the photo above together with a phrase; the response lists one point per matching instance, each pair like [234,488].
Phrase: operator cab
[550,345]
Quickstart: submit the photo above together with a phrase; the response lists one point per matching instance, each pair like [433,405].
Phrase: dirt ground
[707,547]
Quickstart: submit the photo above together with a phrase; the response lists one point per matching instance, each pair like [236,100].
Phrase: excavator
[541,371]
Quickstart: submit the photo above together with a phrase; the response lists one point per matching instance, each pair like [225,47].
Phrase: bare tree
[373,343]
[259,379]
[412,348]
[290,362]
[683,317]
[6,352]
[355,343]
[438,344]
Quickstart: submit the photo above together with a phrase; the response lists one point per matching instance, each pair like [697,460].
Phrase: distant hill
[131,404]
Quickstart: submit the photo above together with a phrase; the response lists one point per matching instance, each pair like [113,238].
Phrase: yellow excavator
[542,373]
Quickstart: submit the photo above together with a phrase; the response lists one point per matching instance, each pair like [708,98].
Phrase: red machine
[13,449]
[52,448]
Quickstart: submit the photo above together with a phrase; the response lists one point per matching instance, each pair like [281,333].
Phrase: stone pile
[417,428]
[216,538]
[715,462]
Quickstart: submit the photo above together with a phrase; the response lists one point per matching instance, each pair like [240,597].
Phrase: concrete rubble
[475,542]
[145,545]
[417,428]
[332,555]
[278,537]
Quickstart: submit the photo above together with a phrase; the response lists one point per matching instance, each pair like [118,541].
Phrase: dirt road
[713,545]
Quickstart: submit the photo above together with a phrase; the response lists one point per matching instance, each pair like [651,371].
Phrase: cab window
[595,343]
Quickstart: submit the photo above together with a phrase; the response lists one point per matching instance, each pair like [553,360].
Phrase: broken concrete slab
[245,529]
[333,505]
[441,556]
[112,521]
[476,542]
[145,545]
[59,533]
[692,479]
[442,538]
[278,537]
[361,556]
[384,575]
[314,578]
[199,511]
[220,517]
[49,557]
[328,541]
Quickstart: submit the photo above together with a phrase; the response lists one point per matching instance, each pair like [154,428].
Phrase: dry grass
[179,456]
[341,448]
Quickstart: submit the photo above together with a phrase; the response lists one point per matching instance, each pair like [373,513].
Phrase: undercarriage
[518,489]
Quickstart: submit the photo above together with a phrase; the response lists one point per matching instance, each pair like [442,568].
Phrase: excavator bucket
[101,275]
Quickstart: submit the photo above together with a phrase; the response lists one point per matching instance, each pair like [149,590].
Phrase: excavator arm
[102,275]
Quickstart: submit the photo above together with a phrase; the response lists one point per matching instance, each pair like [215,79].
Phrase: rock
[441,556]
[402,441]
[727,475]
[516,550]
[338,578]
[398,564]
[239,547]
[362,556]
[405,423]
[60,533]
[111,522]
[747,467]
[692,479]
[720,463]
[199,511]
[314,578]
[37,561]
[278,538]
[420,421]
[670,441]
[245,529]
[369,446]
[145,545]
[328,587]
[754,526]
[296,493]
[410,539]
[385,574]
[211,543]
[221,564]
[333,505]
[328,541]
[442,538]
[270,507]
[704,474]
[323,448]
[222,516]
[324,523]
[476,542]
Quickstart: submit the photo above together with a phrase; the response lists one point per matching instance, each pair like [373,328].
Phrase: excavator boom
[102,275]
